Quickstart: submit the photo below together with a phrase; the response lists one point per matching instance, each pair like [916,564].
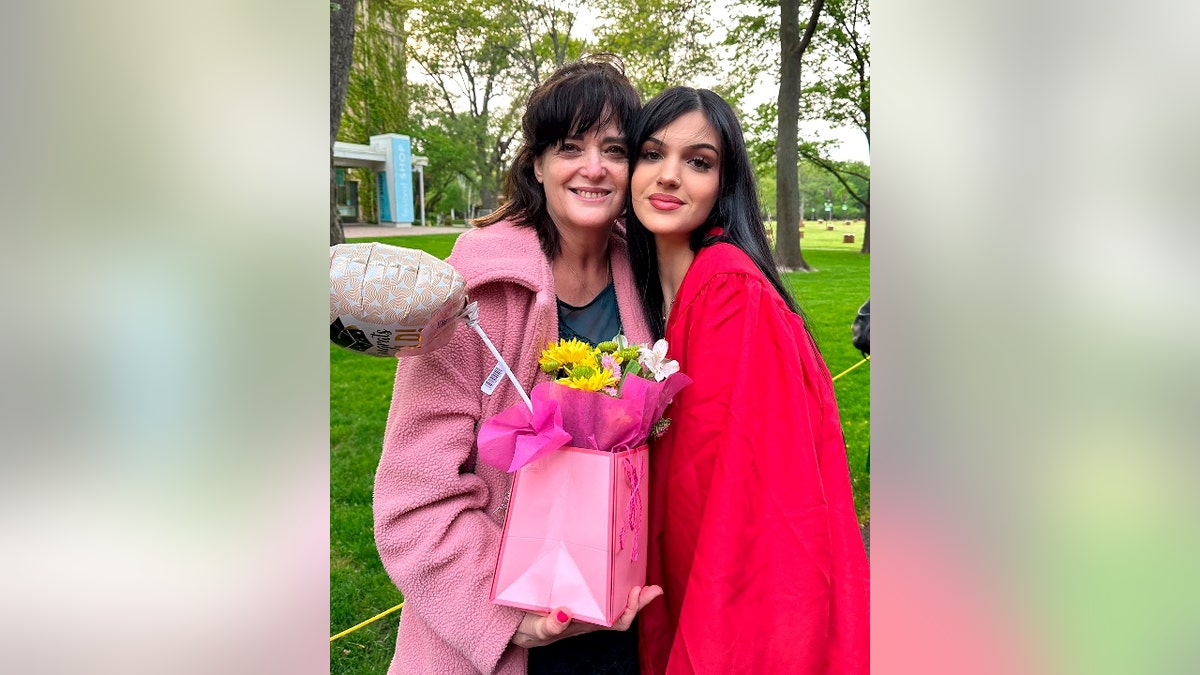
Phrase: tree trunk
[487,199]
[337,235]
[866,247]
[787,165]
[341,53]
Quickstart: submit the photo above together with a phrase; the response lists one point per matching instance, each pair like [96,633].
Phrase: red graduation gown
[753,534]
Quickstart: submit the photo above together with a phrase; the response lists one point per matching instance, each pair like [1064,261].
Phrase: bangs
[581,105]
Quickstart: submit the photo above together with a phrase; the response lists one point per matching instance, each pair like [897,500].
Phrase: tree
[841,93]
[545,41]
[753,37]
[662,42]
[465,52]
[480,62]
[341,49]
[854,179]
[814,179]
[451,154]
[787,200]
[543,44]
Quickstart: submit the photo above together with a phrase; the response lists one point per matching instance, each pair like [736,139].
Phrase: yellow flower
[568,354]
[590,379]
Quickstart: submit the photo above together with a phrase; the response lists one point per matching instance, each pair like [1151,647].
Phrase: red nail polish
[562,616]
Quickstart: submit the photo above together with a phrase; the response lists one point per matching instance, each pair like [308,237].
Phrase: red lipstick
[664,202]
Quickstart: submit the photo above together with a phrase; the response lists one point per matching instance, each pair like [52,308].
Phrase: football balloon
[391,301]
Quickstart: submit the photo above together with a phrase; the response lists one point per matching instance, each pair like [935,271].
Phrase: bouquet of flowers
[576,520]
[604,398]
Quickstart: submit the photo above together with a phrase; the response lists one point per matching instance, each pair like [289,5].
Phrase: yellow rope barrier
[383,614]
[852,367]
[370,620]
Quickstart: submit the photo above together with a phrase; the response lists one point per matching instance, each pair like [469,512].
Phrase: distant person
[860,329]
[550,262]
[753,532]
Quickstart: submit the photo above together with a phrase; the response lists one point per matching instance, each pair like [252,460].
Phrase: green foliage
[662,42]
[853,179]
[477,71]
[464,53]
[840,91]
[377,95]
[448,141]
[836,90]
[545,40]
[753,36]
[481,61]
[848,183]
[815,179]
[837,65]
[360,390]
[378,92]
[766,191]
[368,202]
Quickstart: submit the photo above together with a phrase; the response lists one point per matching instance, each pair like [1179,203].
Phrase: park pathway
[354,231]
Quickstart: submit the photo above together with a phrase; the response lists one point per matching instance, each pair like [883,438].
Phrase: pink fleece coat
[438,514]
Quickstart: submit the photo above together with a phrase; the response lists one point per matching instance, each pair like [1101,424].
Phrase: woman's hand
[537,630]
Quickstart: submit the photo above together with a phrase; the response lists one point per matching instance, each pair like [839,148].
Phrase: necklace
[583,285]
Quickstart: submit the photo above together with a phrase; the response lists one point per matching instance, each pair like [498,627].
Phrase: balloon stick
[472,317]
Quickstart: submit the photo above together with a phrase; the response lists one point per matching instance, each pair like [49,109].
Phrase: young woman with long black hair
[754,537]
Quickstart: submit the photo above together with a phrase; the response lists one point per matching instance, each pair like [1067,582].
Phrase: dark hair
[581,95]
[736,209]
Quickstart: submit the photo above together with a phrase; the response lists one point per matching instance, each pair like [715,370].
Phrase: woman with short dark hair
[551,262]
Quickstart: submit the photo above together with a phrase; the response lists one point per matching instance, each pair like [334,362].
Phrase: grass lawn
[831,297]
[815,235]
[360,389]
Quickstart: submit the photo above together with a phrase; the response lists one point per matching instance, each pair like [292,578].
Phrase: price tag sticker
[489,385]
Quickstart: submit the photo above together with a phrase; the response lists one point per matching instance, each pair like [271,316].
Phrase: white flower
[621,342]
[654,360]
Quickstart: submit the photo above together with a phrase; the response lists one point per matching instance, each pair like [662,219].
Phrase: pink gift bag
[575,534]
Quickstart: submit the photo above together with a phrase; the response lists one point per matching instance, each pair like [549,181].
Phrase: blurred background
[166,474]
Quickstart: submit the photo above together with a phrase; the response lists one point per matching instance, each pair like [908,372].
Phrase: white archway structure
[390,157]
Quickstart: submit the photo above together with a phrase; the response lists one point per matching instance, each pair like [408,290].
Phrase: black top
[595,322]
[602,652]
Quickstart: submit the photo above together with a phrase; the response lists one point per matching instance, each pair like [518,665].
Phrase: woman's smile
[591,193]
